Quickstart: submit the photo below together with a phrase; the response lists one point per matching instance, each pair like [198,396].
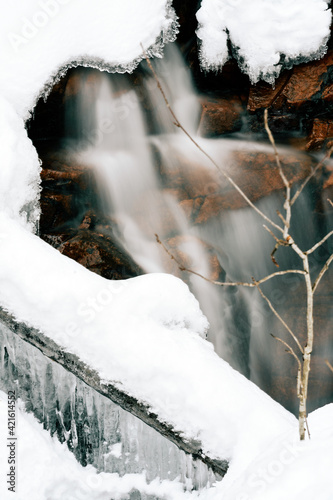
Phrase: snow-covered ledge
[140,343]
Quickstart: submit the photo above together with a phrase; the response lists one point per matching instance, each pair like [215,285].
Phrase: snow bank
[287,468]
[143,335]
[38,37]
[266,35]
[19,172]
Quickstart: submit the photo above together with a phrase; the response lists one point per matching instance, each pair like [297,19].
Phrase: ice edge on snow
[168,34]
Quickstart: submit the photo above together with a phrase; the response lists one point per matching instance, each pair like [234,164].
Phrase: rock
[72,220]
[209,193]
[220,116]
[321,133]
[99,253]
[309,81]
[263,95]
[299,98]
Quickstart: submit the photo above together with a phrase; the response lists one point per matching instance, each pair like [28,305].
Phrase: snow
[287,469]
[144,335]
[38,37]
[266,35]
[19,172]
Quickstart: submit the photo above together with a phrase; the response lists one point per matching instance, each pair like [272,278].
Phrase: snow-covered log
[73,364]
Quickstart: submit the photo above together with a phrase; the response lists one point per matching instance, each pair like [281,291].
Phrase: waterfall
[145,168]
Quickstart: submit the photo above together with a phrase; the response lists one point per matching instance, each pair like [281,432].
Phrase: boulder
[221,116]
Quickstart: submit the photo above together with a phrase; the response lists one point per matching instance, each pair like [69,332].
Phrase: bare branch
[290,350]
[281,217]
[330,201]
[277,158]
[271,233]
[179,125]
[317,245]
[322,272]
[279,317]
[320,164]
[279,273]
[226,283]
[307,427]
[280,243]
[329,365]
[287,205]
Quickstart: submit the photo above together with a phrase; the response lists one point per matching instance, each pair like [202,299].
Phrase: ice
[46,470]
[97,431]
[266,35]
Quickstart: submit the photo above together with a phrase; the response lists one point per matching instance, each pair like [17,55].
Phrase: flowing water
[149,174]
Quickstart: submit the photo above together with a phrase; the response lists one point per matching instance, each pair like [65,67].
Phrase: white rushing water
[127,136]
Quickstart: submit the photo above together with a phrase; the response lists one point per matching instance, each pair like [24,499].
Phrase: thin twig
[226,283]
[281,217]
[330,201]
[307,427]
[287,205]
[272,141]
[278,316]
[271,233]
[322,272]
[179,125]
[290,351]
[319,243]
[329,365]
[320,164]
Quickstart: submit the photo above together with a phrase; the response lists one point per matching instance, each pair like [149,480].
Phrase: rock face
[301,101]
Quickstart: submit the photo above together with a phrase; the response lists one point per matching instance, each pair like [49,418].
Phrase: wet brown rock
[56,210]
[322,131]
[294,88]
[263,95]
[307,80]
[297,102]
[257,175]
[220,116]
[100,254]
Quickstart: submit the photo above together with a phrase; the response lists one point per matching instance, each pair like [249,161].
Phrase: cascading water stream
[126,136]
